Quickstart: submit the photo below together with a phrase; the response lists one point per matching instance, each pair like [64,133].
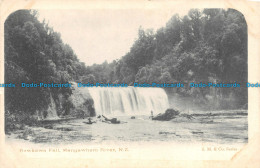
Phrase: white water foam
[129,100]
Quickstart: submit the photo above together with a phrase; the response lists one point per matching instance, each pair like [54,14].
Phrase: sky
[97,35]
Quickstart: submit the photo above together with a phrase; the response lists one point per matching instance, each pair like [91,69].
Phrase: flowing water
[218,127]
[129,100]
[205,126]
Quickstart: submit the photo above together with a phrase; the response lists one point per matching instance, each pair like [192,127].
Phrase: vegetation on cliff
[207,45]
[35,53]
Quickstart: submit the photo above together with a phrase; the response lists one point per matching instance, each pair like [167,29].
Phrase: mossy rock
[167,116]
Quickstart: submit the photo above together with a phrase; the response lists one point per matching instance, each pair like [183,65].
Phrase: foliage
[207,45]
[34,53]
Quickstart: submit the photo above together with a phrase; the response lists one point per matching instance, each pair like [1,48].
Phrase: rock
[167,133]
[197,132]
[167,116]
[11,127]
[7,133]
[19,126]
[91,110]
[133,117]
[114,121]
[48,126]
[27,134]
[188,116]
[64,129]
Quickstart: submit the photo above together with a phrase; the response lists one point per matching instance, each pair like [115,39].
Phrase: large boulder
[167,116]
[82,102]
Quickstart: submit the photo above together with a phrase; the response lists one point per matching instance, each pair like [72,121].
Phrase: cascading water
[51,111]
[129,100]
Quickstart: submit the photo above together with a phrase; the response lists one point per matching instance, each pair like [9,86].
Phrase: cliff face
[78,104]
[82,102]
[35,53]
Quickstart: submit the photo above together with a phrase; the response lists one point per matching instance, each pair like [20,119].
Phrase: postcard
[130,84]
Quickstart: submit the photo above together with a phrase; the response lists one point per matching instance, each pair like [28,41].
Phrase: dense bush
[207,45]
[34,53]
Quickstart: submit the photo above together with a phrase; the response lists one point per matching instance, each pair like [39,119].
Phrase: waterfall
[51,111]
[129,100]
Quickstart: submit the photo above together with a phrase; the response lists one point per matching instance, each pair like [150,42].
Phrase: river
[222,127]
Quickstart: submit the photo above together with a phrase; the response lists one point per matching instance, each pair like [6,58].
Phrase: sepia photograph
[108,75]
[145,83]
